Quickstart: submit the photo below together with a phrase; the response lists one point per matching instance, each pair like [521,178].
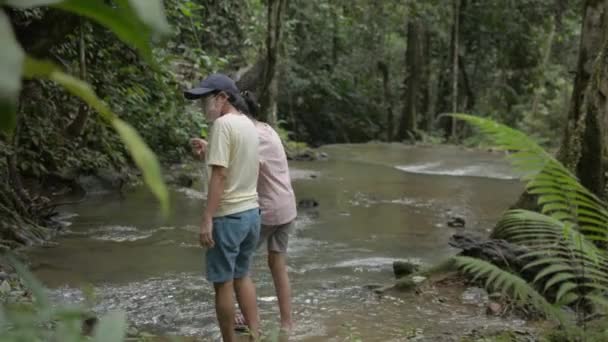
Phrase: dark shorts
[276,237]
[236,237]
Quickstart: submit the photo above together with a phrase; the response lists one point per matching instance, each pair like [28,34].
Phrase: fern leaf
[517,287]
[564,289]
[558,278]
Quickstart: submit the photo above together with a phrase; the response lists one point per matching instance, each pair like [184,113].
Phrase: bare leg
[278,267]
[224,309]
[245,294]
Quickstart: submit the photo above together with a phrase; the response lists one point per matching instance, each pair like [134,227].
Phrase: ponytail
[252,103]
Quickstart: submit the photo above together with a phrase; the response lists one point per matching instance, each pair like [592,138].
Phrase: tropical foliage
[42,320]
[134,22]
[566,264]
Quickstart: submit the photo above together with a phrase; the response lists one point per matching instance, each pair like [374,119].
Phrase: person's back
[276,196]
[233,144]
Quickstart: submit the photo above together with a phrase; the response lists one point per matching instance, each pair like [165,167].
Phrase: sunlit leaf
[11,59]
[133,23]
[145,160]
[111,328]
[127,28]
[31,3]
[152,13]
[38,291]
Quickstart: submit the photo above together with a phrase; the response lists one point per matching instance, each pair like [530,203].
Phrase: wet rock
[132,331]
[5,287]
[182,180]
[405,284]
[103,180]
[373,287]
[307,203]
[183,175]
[499,252]
[62,183]
[307,155]
[475,295]
[456,222]
[418,279]
[404,268]
[494,309]
[329,285]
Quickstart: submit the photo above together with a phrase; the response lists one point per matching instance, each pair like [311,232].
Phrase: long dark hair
[251,100]
[246,102]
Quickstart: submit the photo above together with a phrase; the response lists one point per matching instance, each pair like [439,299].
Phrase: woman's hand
[199,147]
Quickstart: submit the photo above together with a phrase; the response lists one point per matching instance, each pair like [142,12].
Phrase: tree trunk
[387,100]
[425,105]
[270,89]
[583,146]
[469,97]
[455,36]
[77,126]
[408,125]
[545,61]
[335,36]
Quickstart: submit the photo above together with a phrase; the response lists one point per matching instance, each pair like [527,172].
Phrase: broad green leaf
[123,21]
[111,328]
[127,28]
[11,60]
[38,291]
[144,158]
[152,13]
[31,3]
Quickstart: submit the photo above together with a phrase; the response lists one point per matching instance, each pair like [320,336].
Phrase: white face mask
[209,104]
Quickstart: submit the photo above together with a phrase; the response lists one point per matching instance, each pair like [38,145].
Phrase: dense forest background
[325,72]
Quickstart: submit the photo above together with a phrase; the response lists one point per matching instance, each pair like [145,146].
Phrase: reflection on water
[378,202]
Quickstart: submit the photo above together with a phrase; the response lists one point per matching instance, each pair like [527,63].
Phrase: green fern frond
[564,289]
[533,229]
[563,256]
[560,194]
[509,283]
[599,300]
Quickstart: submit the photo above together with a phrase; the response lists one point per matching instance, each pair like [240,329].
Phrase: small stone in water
[267,299]
[494,309]
[5,287]
[418,279]
[307,301]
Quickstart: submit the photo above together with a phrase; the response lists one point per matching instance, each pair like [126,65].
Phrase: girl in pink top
[278,204]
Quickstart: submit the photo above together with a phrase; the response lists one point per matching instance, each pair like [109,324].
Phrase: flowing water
[377,203]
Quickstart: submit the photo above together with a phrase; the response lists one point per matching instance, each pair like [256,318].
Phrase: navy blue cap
[213,82]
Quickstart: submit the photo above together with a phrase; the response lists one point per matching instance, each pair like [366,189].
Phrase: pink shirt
[276,196]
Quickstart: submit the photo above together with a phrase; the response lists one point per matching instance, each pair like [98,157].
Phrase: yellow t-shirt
[233,144]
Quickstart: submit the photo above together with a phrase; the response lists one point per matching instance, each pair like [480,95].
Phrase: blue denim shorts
[236,237]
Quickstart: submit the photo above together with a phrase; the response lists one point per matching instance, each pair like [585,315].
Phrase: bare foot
[286,327]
